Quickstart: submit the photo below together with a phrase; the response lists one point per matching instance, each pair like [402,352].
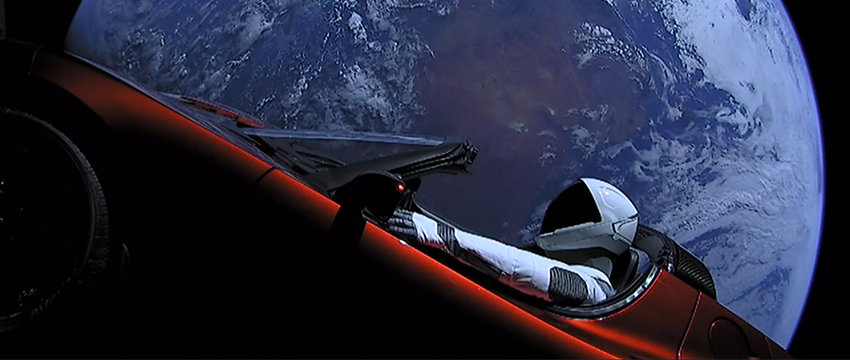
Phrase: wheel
[53,218]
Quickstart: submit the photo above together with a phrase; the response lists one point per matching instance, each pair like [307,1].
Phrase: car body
[236,252]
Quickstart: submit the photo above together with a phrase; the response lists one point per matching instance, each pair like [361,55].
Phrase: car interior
[450,157]
[352,185]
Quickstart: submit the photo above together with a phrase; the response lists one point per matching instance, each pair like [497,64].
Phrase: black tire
[79,209]
[680,262]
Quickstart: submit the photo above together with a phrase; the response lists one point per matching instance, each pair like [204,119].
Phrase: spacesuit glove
[411,226]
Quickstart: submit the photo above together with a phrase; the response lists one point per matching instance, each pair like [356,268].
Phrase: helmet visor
[587,235]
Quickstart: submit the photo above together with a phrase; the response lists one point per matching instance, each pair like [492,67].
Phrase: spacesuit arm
[525,271]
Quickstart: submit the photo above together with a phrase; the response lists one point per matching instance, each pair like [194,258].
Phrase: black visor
[573,206]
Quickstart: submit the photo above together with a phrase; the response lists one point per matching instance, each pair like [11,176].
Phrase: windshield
[345,146]
[326,160]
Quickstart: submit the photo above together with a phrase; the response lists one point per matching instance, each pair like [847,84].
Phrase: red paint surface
[651,327]
[223,112]
[696,345]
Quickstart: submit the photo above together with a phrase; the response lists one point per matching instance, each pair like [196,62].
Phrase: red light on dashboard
[399,187]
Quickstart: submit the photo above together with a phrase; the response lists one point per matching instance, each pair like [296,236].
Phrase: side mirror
[378,192]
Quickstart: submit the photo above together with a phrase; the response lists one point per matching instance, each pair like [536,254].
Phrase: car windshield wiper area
[293,155]
[452,157]
[345,136]
[288,147]
[324,172]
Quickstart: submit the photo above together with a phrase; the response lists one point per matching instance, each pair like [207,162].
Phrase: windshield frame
[289,149]
[361,136]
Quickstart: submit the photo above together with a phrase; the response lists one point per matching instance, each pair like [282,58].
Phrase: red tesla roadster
[140,223]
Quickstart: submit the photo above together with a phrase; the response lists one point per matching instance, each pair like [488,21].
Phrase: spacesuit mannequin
[587,226]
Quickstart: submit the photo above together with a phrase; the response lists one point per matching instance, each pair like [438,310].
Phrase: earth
[701,111]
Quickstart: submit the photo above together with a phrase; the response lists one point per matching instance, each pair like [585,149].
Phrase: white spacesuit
[585,227]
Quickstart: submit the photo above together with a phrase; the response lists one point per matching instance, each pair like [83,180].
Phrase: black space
[820,31]
[48,24]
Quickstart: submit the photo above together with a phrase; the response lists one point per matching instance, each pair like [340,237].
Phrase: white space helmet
[589,216]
